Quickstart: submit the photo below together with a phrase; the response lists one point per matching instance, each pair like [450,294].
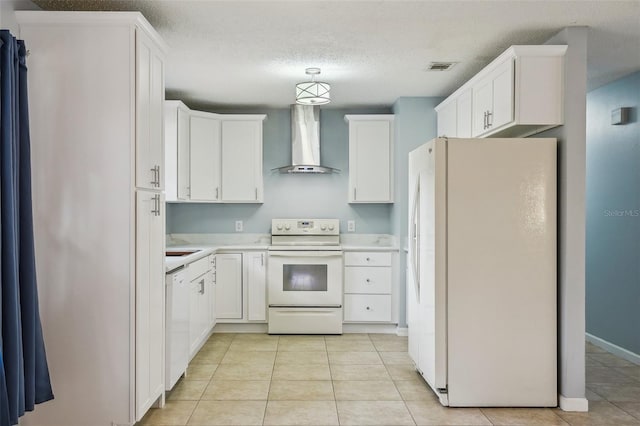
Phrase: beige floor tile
[606,375]
[396,358]
[433,413]
[617,392]
[359,372]
[301,372]
[373,413]
[592,396]
[391,346]
[354,358]
[209,356]
[366,390]
[611,360]
[246,371]
[348,336]
[212,413]
[173,413]
[315,357]
[633,372]
[237,390]
[291,338]
[187,390]
[632,408]
[254,345]
[222,336]
[415,390]
[200,371]
[403,372]
[217,344]
[301,345]
[301,390]
[255,337]
[523,416]
[239,357]
[590,362]
[601,413]
[388,337]
[301,413]
[350,346]
[591,348]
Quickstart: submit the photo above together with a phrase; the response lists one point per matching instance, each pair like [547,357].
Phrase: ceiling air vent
[440,66]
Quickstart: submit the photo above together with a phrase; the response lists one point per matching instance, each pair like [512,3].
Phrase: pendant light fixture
[312,92]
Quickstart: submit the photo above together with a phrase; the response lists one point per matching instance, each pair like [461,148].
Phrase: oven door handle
[305,254]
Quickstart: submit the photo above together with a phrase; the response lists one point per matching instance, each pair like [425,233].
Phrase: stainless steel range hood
[305,141]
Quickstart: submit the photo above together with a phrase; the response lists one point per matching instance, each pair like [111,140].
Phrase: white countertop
[207,244]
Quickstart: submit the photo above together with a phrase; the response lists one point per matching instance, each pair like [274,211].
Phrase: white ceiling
[251,53]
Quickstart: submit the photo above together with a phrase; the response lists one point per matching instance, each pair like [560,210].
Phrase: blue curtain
[24,374]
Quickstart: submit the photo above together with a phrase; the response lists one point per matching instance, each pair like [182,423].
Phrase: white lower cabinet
[212,291]
[201,283]
[241,287]
[229,286]
[368,287]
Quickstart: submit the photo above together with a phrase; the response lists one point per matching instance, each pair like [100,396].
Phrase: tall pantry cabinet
[96,93]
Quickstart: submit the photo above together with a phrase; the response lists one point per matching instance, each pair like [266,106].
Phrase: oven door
[305,278]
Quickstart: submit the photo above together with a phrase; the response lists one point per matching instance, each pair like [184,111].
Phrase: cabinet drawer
[367,308]
[198,267]
[368,280]
[363,258]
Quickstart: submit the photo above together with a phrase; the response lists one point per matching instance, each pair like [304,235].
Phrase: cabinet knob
[368,259]
[368,308]
[368,280]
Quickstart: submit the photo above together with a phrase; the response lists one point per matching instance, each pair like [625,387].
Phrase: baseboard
[614,349]
[573,404]
[402,331]
[249,327]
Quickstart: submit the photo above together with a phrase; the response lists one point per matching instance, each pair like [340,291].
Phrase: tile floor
[358,379]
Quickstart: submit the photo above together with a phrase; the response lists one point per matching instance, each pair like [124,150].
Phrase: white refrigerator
[482,270]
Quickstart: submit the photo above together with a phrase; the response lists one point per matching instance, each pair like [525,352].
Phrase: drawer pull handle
[368,308]
[368,259]
[368,280]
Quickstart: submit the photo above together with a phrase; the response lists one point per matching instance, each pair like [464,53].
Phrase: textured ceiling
[251,53]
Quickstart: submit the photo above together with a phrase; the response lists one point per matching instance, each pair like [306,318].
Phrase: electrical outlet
[239,226]
[351,225]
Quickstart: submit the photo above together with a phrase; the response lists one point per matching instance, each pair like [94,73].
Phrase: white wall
[8,17]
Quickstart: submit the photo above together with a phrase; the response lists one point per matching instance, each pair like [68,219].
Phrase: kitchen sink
[178,253]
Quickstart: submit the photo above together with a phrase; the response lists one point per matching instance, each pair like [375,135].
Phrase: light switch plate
[239,226]
[351,225]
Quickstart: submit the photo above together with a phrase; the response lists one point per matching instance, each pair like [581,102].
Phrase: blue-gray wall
[291,195]
[415,124]
[613,215]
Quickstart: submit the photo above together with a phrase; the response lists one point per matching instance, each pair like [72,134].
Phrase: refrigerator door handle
[414,240]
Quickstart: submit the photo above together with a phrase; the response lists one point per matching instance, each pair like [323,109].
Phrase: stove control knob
[287,227]
[279,227]
[331,227]
[323,227]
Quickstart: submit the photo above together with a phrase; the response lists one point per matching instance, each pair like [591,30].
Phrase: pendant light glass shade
[313,92]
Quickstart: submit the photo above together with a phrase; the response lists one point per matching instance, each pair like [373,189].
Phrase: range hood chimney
[305,141]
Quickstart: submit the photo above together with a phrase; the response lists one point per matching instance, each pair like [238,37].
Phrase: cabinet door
[502,110]
[211,281]
[482,104]
[183,154]
[149,299]
[370,158]
[255,278]
[149,115]
[229,286]
[464,115]
[447,120]
[205,159]
[194,315]
[242,161]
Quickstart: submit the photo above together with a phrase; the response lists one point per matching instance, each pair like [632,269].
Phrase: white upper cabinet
[204,172]
[242,160]
[149,113]
[447,125]
[519,94]
[177,162]
[213,158]
[370,158]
